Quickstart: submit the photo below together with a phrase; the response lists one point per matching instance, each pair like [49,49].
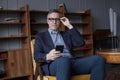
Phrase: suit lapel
[49,39]
[66,39]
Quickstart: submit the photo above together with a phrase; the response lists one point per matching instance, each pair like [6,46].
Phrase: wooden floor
[112,72]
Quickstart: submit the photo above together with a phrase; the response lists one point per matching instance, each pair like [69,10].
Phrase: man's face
[53,21]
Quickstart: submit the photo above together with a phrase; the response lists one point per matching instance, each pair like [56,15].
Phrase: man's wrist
[70,26]
[47,57]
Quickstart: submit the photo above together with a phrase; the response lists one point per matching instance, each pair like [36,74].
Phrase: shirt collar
[52,32]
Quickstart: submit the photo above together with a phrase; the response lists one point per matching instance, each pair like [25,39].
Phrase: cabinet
[82,20]
[15,53]
[104,40]
[38,21]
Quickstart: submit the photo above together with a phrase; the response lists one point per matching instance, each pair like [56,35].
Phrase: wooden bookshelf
[81,20]
[15,53]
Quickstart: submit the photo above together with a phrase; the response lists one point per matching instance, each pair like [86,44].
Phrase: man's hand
[53,54]
[66,22]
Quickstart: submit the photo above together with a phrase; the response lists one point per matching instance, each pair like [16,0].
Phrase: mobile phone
[59,48]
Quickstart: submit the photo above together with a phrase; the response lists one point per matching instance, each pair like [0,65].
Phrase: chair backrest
[32,51]
[36,66]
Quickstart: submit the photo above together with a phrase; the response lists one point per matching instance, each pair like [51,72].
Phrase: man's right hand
[66,22]
[53,54]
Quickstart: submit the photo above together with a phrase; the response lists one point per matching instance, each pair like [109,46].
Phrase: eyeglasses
[54,19]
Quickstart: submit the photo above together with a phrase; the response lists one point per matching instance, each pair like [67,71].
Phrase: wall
[99,8]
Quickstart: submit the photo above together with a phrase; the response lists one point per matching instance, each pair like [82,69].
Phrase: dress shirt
[58,40]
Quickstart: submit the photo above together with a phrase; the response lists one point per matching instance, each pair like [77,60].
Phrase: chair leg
[38,72]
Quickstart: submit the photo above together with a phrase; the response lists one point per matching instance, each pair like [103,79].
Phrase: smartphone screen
[59,48]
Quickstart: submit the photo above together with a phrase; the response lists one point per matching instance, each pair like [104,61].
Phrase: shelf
[77,13]
[12,23]
[80,13]
[14,36]
[38,11]
[12,11]
[79,23]
[38,23]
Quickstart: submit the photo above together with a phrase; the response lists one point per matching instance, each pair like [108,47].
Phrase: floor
[112,72]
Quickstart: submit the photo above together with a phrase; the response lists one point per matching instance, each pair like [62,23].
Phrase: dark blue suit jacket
[44,43]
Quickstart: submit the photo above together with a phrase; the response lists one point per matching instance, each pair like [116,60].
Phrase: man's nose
[54,21]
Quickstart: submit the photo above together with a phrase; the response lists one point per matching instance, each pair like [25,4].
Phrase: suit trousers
[63,68]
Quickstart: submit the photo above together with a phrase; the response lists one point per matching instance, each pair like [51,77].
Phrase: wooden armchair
[39,76]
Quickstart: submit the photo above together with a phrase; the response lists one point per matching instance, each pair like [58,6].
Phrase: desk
[112,56]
